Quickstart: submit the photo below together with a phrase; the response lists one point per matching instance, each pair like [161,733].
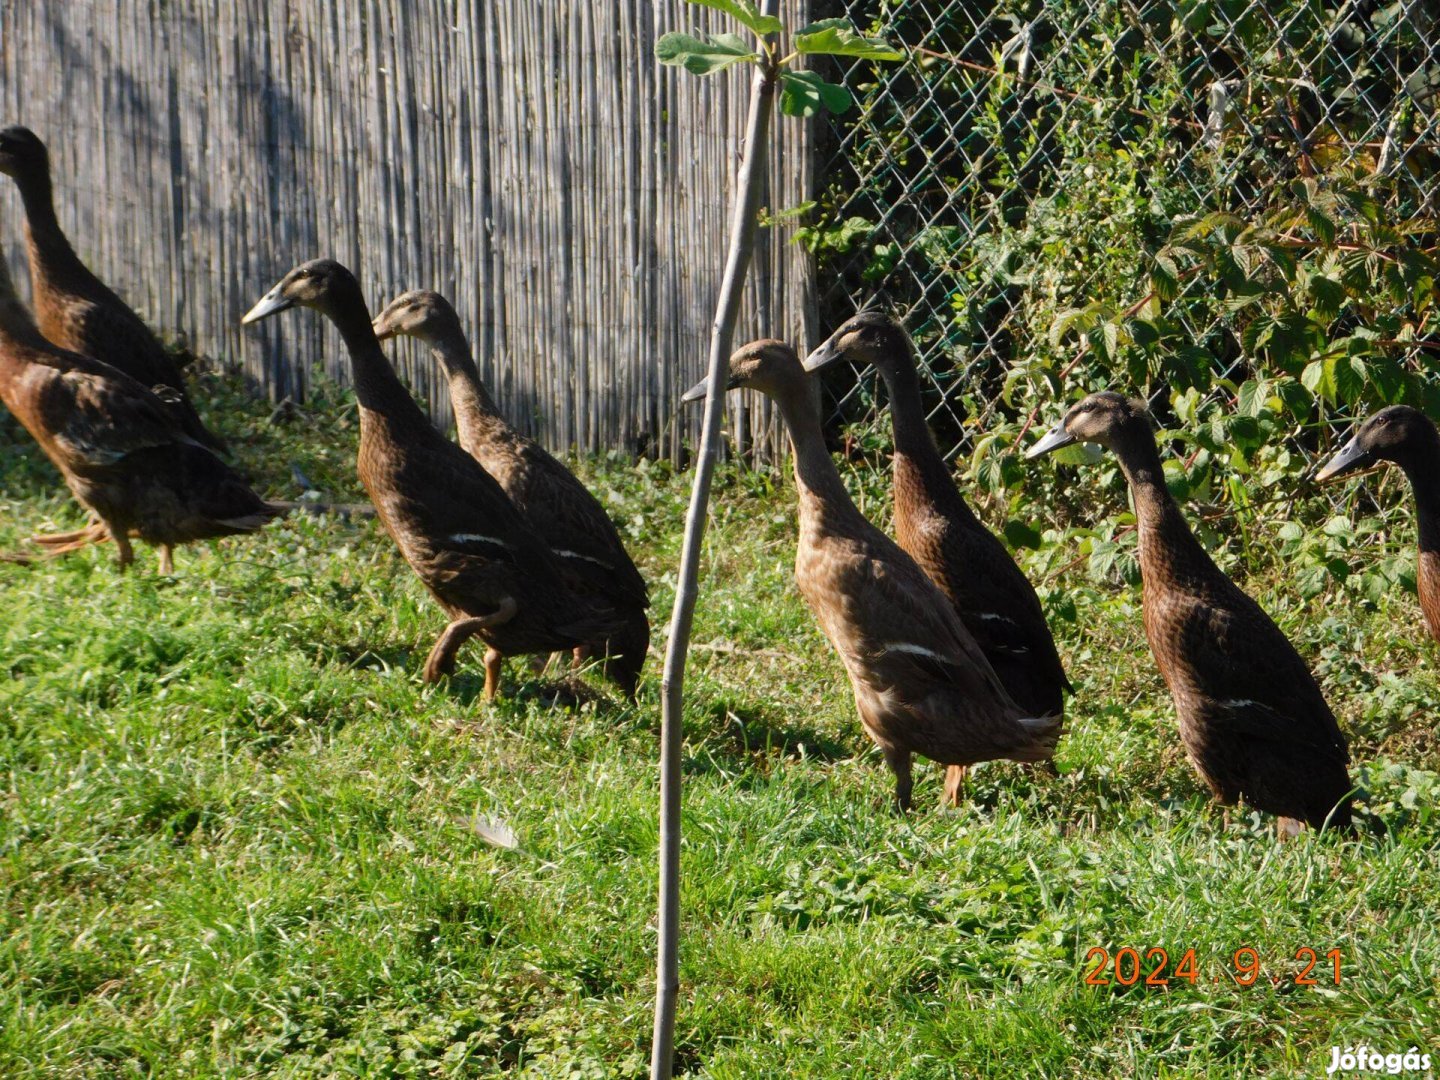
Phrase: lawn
[240,837]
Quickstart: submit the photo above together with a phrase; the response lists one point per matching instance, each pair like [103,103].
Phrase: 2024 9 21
[1152,967]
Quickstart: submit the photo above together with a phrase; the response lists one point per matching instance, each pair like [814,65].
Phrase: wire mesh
[959,185]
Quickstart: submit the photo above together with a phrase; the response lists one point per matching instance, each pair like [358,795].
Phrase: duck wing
[470,546]
[104,327]
[1253,681]
[580,532]
[921,680]
[1003,611]
[102,417]
[883,613]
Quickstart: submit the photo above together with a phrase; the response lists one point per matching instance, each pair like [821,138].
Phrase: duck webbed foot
[1288,828]
[64,542]
[955,776]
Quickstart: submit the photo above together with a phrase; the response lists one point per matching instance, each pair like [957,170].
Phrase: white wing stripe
[476,538]
[563,553]
[914,650]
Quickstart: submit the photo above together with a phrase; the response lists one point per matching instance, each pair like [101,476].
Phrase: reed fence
[529,160]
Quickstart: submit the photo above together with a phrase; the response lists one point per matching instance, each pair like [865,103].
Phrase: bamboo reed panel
[529,160]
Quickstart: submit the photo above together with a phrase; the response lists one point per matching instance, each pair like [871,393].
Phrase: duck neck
[916,454]
[49,249]
[1422,469]
[822,491]
[377,387]
[907,414]
[1166,541]
[476,417]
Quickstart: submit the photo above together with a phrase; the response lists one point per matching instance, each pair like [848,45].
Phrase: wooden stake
[748,183]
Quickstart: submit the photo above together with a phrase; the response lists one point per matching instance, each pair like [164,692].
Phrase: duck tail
[1044,732]
[256,520]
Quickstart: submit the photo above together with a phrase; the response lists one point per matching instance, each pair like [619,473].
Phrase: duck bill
[273,301]
[824,356]
[1054,439]
[382,329]
[701,388]
[1351,458]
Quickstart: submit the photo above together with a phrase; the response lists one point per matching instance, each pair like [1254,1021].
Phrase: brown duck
[1252,719]
[1408,438]
[939,531]
[922,685]
[451,521]
[75,309]
[554,503]
[121,450]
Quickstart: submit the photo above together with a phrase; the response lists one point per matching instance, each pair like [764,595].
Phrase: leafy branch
[802,93]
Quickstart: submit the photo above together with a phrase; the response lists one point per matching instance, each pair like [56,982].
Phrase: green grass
[236,830]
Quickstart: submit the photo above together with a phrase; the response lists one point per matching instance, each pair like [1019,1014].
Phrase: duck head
[1398,433]
[1105,418]
[768,365]
[22,153]
[419,313]
[871,337]
[322,284]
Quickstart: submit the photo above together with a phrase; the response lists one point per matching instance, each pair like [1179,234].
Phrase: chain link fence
[1033,157]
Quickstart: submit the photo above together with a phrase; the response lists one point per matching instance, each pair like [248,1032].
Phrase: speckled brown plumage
[75,309]
[553,502]
[120,449]
[451,521]
[921,683]
[1252,718]
[937,528]
[1406,437]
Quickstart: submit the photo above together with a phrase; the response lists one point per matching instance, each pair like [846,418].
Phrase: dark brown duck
[451,521]
[1408,438]
[549,496]
[937,528]
[75,309]
[1252,719]
[121,450]
[922,685]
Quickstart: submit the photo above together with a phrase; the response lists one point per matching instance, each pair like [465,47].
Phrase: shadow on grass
[741,734]
[364,657]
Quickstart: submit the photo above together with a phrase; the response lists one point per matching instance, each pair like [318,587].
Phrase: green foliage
[746,13]
[838,37]
[239,833]
[703,57]
[802,93]
[805,93]
[1092,194]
